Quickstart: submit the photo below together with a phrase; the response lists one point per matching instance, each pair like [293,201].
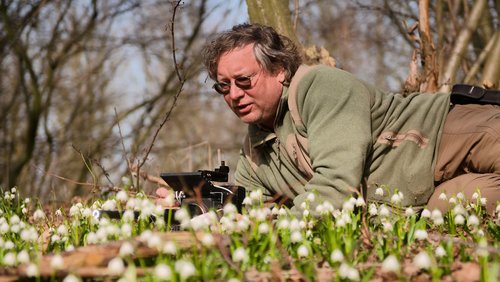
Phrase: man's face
[259,102]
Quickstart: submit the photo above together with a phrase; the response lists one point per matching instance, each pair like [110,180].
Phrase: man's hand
[166,198]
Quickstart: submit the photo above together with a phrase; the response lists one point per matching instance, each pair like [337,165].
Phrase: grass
[359,242]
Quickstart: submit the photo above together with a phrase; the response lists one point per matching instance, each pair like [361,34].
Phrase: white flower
[240,255]
[154,241]
[170,248]
[337,256]
[459,219]
[379,191]
[128,216]
[263,228]
[74,211]
[116,266]
[296,236]
[440,252]
[32,270]
[372,210]
[10,259]
[163,272]
[409,212]
[302,251]
[55,238]
[132,203]
[243,224]
[443,197]
[311,197]
[282,211]
[387,226]
[23,257]
[426,213]
[483,201]
[473,220]
[15,228]
[61,230]
[256,195]
[395,199]
[9,245]
[345,271]
[230,209]
[122,196]
[38,215]
[438,220]
[475,196]
[57,262]
[71,278]
[87,213]
[305,213]
[420,234]
[422,260]
[360,202]
[320,209]
[452,200]
[283,224]
[436,214]
[275,210]
[185,268]
[459,209]
[384,211]
[207,240]
[247,201]
[390,263]
[14,219]
[294,225]
[348,206]
[181,215]
[126,249]
[460,196]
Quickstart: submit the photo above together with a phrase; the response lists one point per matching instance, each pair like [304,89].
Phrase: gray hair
[272,50]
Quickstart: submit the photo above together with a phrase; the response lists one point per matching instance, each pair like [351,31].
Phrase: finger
[162,192]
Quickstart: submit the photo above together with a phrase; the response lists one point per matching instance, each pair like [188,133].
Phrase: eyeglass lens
[243,82]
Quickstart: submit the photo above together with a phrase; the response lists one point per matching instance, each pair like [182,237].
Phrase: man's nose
[235,92]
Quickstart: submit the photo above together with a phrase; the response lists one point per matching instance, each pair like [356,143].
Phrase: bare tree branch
[460,47]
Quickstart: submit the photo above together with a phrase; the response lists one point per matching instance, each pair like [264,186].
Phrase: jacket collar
[258,135]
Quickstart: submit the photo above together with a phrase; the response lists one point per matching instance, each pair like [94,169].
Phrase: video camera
[199,191]
[205,190]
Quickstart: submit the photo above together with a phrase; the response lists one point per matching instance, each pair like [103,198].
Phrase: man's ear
[281,76]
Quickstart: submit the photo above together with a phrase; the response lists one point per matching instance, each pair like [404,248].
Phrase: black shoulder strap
[470,94]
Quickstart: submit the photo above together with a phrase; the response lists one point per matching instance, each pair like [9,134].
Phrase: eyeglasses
[242,82]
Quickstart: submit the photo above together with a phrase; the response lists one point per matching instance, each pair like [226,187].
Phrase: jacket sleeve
[335,111]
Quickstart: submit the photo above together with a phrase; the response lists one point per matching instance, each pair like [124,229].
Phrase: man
[320,129]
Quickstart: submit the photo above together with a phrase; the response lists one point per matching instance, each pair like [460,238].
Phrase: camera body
[205,190]
[199,191]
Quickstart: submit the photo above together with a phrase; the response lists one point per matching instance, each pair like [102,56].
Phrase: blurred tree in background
[85,84]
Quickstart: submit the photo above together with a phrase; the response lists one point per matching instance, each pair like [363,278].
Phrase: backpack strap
[296,144]
[292,93]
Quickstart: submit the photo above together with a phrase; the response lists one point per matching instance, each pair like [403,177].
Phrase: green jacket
[339,136]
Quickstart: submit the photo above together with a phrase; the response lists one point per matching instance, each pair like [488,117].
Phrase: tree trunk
[491,76]
[275,13]
[461,46]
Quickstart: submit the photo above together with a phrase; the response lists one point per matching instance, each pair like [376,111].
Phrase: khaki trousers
[469,156]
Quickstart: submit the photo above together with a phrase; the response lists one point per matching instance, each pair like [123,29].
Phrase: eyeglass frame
[237,82]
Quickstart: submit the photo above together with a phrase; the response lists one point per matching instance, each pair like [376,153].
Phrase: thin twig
[176,96]
[124,150]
